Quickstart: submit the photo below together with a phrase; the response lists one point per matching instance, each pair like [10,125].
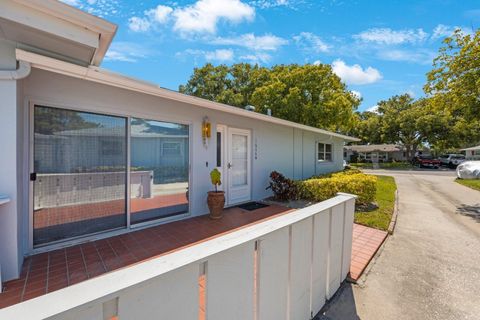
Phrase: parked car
[452,160]
[469,170]
[427,162]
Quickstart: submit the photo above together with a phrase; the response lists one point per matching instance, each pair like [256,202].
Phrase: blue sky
[379,48]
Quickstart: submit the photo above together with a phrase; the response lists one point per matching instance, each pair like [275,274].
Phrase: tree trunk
[407,148]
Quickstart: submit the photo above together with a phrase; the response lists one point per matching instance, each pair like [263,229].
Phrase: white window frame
[324,152]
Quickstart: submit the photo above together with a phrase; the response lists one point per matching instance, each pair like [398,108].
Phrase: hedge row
[323,188]
[320,188]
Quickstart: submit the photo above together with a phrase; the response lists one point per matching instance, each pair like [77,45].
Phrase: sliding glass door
[80,170]
[159,169]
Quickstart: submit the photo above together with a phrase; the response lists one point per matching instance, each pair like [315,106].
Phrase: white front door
[238,166]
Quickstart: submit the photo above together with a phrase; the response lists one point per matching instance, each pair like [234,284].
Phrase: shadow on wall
[470,211]
[341,307]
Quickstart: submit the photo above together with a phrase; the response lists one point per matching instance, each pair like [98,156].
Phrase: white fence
[62,189]
[283,268]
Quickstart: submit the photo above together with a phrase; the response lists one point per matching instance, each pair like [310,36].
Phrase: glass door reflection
[159,169]
[80,171]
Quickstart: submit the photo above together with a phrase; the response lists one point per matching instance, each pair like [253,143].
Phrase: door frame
[30,103]
[248,134]
[221,128]
[226,158]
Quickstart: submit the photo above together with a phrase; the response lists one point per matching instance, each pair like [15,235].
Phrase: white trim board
[98,75]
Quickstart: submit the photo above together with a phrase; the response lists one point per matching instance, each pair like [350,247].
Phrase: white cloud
[266,42]
[259,57]
[267,4]
[221,55]
[392,37]
[125,52]
[137,24]
[159,14]
[373,109]
[356,94]
[311,42]
[355,74]
[101,8]
[199,18]
[204,15]
[152,17]
[442,31]
[421,56]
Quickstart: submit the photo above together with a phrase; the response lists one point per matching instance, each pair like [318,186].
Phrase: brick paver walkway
[365,243]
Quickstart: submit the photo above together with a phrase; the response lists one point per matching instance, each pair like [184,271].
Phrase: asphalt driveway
[430,267]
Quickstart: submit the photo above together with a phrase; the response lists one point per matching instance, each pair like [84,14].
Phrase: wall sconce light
[206,131]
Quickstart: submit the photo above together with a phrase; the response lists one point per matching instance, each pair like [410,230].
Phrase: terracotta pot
[216,202]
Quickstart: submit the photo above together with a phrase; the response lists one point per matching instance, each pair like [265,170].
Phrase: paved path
[430,267]
[365,243]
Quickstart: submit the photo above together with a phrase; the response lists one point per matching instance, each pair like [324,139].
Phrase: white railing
[282,268]
[63,189]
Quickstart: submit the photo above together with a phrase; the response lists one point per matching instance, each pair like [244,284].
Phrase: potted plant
[216,199]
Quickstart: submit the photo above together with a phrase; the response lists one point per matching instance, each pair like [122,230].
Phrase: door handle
[33,176]
[229,165]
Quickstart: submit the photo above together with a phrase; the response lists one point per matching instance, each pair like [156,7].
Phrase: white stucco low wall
[282,268]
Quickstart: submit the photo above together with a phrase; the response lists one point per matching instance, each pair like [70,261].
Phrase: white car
[469,170]
[451,160]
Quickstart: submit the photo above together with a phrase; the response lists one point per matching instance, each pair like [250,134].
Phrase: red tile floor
[47,217]
[365,243]
[54,270]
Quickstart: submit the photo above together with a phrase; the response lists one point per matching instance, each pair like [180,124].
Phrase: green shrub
[349,181]
[345,172]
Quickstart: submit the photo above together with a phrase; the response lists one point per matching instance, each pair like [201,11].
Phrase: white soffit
[55,29]
[116,80]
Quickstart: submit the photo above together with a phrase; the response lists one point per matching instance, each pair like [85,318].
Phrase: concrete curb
[393,222]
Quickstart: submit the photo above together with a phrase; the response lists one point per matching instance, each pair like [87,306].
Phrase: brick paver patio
[54,270]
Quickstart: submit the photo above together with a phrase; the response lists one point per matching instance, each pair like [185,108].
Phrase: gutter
[22,71]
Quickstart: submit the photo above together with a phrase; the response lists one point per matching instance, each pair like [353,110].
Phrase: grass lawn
[386,165]
[474,184]
[385,198]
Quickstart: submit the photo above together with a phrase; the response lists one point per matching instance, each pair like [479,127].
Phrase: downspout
[22,71]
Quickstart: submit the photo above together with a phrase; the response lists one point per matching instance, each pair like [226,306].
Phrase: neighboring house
[83,148]
[472,153]
[375,153]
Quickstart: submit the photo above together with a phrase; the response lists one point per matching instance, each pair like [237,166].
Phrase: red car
[427,162]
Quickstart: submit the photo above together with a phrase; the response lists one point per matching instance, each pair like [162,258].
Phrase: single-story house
[87,153]
[472,153]
[375,153]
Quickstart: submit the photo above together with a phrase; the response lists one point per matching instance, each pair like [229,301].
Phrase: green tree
[400,118]
[50,120]
[308,94]
[366,127]
[453,89]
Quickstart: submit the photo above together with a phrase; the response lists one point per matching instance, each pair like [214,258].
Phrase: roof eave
[60,10]
[113,79]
